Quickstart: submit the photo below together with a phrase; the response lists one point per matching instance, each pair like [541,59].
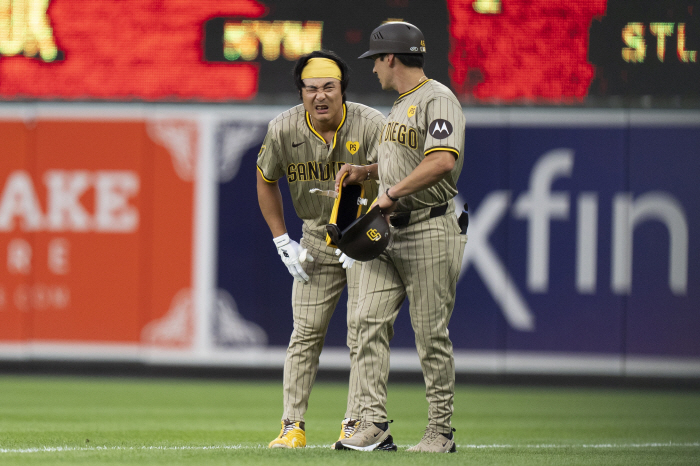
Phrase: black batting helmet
[395,37]
[365,239]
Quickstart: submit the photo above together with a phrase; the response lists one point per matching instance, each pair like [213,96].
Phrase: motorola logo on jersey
[440,129]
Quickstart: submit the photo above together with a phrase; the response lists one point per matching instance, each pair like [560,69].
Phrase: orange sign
[96,221]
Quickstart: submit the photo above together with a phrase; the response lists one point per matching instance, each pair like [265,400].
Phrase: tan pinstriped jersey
[292,149]
[425,119]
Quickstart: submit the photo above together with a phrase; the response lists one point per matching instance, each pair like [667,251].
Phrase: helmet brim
[367,54]
[372,52]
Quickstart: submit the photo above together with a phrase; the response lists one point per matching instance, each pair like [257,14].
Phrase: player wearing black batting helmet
[395,37]
[419,161]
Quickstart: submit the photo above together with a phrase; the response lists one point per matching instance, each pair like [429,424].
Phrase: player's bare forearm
[431,170]
[270,201]
[356,174]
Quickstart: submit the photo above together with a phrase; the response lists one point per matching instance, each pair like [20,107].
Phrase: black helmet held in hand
[365,238]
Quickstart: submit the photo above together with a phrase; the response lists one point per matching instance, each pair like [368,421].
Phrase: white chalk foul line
[264,447]
[600,445]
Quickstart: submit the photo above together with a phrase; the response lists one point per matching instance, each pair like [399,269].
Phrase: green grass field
[56,420]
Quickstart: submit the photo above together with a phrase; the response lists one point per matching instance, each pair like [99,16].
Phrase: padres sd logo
[411,111]
[352,146]
[373,234]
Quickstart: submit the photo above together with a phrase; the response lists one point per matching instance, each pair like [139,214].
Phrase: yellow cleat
[347,429]
[292,435]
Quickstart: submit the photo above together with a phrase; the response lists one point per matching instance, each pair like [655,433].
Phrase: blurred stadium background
[130,236]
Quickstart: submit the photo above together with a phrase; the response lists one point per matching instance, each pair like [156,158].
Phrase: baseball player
[308,145]
[419,161]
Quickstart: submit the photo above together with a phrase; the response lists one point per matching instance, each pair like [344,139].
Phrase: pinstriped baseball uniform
[294,150]
[422,262]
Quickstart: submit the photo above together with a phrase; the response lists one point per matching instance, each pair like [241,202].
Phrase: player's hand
[293,255]
[345,260]
[356,174]
[386,204]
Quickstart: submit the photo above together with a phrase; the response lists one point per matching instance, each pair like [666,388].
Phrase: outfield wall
[132,233]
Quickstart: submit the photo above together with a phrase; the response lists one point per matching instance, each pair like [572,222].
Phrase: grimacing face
[322,98]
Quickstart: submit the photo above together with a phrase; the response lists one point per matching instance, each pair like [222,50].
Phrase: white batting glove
[345,260]
[293,255]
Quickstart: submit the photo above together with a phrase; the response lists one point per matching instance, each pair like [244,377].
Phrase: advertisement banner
[580,241]
[96,231]
[135,234]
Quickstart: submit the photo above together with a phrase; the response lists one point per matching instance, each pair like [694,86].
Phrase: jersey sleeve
[373,134]
[269,158]
[444,126]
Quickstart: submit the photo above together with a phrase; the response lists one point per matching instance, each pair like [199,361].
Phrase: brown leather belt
[403,219]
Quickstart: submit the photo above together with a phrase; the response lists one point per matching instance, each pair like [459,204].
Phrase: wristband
[368,173]
[393,199]
[281,240]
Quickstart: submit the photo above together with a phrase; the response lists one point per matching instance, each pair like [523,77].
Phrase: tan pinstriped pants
[313,304]
[422,263]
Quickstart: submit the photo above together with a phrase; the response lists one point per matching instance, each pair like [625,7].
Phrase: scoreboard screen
[290,29]
[550,52]
[656,49]
[560,52]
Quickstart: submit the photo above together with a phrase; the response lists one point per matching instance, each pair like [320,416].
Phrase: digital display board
[290,29]
[657,48]
[487,51]
[117,50]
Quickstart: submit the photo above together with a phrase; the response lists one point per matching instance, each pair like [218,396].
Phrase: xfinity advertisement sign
[539,206]
[582,243]
[139,238]
[581,238]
